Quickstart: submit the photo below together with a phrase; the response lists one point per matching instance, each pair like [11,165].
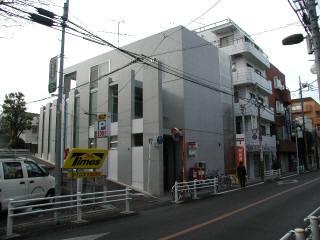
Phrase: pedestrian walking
[242,173]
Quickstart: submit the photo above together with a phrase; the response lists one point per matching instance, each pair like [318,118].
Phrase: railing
[183,190]
[54,204]
[310,232]
[248,75]
[272,174]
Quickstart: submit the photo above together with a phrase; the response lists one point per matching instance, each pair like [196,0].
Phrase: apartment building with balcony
[249,65]
[280,101]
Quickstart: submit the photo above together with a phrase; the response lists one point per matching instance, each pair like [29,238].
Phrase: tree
[15,119]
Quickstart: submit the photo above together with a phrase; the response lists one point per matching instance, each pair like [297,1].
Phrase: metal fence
[184,190]
[310,232]
[58,203]
[272,174]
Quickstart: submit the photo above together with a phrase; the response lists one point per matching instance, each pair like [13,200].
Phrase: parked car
[22,178]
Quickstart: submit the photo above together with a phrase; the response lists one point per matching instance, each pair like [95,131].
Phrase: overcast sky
[25,51]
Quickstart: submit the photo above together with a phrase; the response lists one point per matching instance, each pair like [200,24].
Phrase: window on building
[238,125]
[258,72]
[261,100]
[113,142]
[69,81]
[263,130]
[296,108]
[318,113]
[137,140]
[138,102]
[236,96]
[113,102]
[76,122]
[94,74]
[93,103]
[34,129]
[252,96]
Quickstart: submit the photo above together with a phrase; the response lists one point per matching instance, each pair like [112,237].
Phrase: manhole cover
[287,181]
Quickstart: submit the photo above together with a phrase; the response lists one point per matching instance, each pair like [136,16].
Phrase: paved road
[263,212]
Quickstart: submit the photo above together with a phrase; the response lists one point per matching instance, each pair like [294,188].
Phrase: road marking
[229,214]
[287,182]
[237,189]
[88,237]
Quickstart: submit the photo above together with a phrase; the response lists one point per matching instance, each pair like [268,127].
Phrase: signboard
[102,129]
[84,174]
[192,149]
[85,158]
[103,126]
[53,68]
[241,149]
[239,154]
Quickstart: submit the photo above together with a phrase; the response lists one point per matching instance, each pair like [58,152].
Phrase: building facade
[280,101]
[190,90]
[249,65]
[311,109]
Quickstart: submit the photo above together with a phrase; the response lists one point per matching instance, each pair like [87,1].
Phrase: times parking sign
[102,129]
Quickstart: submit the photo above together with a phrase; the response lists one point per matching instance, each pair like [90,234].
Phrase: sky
[25,50]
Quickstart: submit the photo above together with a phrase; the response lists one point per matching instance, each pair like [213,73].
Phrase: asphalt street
[263,212]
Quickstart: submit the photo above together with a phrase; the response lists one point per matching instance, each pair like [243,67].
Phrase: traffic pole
[58,154]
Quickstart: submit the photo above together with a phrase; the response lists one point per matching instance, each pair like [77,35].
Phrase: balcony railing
[249,76]
[249,49]
[266,113]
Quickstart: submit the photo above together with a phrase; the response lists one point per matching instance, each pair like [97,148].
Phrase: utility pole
[297,149]
[260,139]
[306,158]
[58,155]
[315,37]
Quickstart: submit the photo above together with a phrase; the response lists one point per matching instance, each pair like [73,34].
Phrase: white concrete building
[182,90]
[249,64]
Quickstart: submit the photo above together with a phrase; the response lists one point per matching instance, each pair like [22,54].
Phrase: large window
[138,102]
[113,102]
[34,170]
[93,102]
[94,74]
[12,170]
[137,140]
[238,125]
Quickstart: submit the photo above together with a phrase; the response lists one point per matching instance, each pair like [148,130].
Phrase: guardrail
[310,232]
[57,203]
[272,174]
[183,190]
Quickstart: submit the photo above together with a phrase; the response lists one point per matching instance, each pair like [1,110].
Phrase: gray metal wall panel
[125,115]
[152,127]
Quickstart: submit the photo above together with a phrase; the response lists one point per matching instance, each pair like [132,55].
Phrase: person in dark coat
[241,173]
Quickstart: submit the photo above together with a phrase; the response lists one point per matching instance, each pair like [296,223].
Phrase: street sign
[53,66]
[84,174]
[102,129]
[192,149]
[85,158]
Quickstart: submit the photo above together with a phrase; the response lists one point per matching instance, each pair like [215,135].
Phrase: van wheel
[50,193]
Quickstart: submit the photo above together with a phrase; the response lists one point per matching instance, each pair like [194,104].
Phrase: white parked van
[22,178]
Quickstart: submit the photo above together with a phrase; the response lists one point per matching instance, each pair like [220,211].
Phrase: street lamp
[293,39]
